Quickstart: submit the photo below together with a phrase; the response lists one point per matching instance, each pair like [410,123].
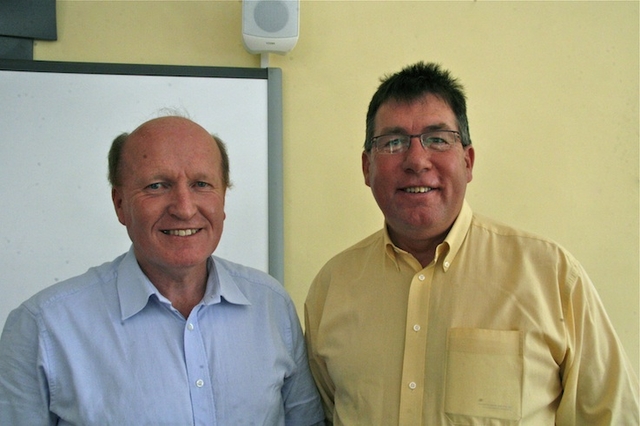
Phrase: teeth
[181,232]
[417,189]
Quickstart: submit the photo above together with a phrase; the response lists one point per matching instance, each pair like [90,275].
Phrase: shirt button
[199,383]
[416,327]
[421,277]
[412,385]
[446,264]
[190,327]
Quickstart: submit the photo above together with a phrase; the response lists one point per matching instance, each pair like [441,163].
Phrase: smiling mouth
[417,189]
[181,232]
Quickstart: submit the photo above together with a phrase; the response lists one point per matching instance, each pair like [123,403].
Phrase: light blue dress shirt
[106,348]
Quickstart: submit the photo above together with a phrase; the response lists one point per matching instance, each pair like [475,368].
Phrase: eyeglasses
[437,140]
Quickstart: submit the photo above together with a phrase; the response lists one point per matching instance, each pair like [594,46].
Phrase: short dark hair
[414,82]
[115,155]
[226,179]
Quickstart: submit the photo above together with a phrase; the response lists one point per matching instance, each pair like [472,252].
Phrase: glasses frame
[421,136]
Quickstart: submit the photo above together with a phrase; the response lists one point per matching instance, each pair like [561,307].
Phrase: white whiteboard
[57,122]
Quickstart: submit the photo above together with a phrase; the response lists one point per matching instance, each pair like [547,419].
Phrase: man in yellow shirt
[446,317]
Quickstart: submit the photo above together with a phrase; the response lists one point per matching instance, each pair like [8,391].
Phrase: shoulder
[489,226]
[76,300]
[492,228]
[483,223]
[261,298]
[348,265]
[359,252]
[512,242]
[76,289]
[250,280]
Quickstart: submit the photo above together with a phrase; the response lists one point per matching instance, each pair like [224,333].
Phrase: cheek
[214,209]
[465,172]
[382,184]
[454,169]
[124,214]
[469,172]
[142,215]
[379,171]
[367,176]
[365,168]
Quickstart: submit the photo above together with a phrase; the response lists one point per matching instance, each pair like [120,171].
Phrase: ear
[469,159]
[116,197]
[366,164]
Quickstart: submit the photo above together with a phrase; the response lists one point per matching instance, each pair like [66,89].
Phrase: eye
[434,140]
[393,143]
[201,184]
[439,141]
[154,186]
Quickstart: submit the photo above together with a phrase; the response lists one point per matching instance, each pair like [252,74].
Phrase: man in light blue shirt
[166,334]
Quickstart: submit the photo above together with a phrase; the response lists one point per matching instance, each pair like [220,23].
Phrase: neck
[423,249]
[424,255]
[184,288]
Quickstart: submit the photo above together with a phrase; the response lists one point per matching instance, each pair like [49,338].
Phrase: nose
[183,205]
[417,158]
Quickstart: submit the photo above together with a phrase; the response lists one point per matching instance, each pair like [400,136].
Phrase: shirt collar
[221,285]
[391,250]
[448,248]
[134,288]
[457,234]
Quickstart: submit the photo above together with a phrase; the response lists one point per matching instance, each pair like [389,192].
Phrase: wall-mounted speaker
[270,26]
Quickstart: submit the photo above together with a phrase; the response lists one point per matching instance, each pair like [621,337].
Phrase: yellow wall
[553,111]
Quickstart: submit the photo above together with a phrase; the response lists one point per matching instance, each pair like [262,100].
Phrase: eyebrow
[402,131]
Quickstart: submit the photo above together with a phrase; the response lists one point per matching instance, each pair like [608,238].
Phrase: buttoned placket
[197,365]
[413,366]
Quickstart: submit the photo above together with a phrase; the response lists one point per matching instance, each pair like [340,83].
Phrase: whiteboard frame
[273,77]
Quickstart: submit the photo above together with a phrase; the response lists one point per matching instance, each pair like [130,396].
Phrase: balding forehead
[167,124]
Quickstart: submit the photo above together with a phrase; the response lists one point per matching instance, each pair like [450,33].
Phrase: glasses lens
[391,144]
[438,141]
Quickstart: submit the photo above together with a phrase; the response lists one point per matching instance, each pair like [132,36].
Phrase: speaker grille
[271,16]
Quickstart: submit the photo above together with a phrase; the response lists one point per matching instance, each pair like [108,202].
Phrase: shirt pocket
[483,381]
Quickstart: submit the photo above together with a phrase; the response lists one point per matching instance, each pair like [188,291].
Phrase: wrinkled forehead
[428,109]
[170,139]
[425,98]
[170,127]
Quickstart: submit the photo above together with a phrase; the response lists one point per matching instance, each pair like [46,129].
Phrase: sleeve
[600,386]
[302,405]
[24,390]
[312,315]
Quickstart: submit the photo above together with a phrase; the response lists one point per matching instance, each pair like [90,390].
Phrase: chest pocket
[483,383]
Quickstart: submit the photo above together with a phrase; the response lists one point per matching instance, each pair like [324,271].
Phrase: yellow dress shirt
[502,328]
